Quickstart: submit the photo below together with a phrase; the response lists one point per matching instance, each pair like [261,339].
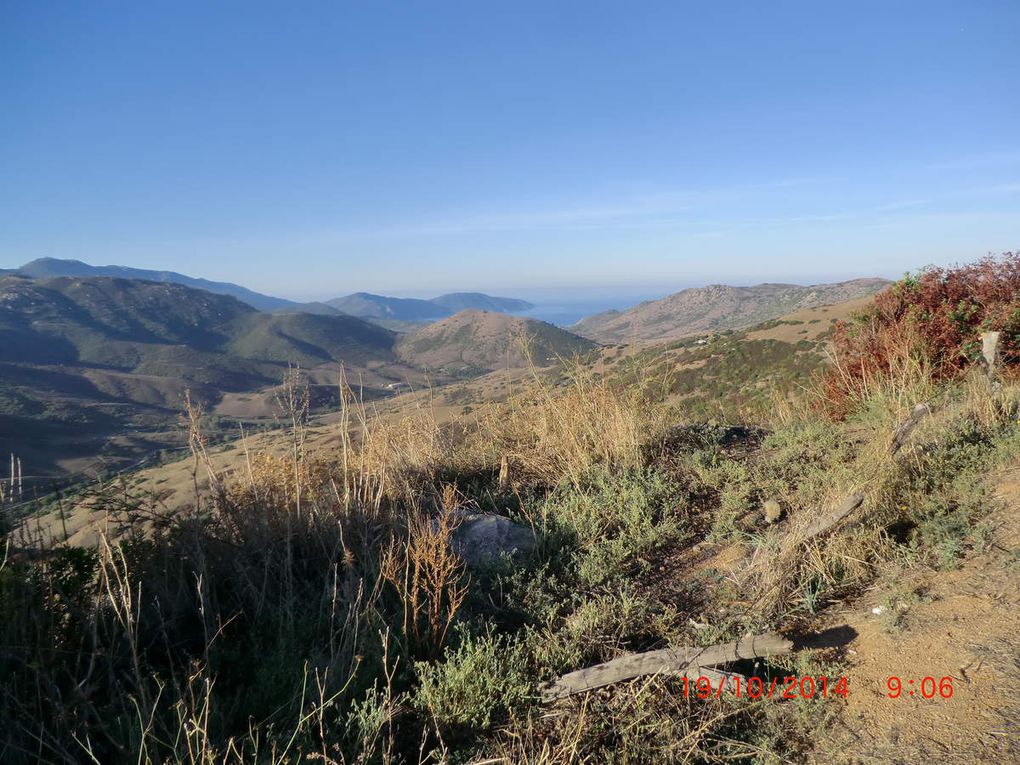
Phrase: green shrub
[613,520]
[480,681]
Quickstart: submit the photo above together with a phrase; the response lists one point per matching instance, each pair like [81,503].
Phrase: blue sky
[313,149]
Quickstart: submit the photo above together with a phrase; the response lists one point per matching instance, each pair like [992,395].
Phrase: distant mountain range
[396,313]
[44,268]
[118,324]
[368,306]
[715,308]
[98,367]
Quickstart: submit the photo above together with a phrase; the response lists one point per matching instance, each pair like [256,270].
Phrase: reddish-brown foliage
[936,317]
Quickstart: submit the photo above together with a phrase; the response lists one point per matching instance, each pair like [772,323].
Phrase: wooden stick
[681,660]
[821,525]
[905,428]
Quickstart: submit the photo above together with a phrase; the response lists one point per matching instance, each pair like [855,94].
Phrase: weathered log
[680,661]
[905,428]
[693,672]
[821,525]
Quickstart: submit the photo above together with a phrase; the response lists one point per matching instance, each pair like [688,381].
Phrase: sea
[564,311]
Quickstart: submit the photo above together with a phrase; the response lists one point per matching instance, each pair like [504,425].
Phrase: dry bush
[904,375]
[244,628]
[925,328]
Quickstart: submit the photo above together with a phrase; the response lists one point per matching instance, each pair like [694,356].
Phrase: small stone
[773,511]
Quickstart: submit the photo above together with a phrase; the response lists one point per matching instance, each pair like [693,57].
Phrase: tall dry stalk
[428,575]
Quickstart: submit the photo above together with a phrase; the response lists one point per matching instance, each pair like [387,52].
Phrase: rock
[481,538]
[773,511]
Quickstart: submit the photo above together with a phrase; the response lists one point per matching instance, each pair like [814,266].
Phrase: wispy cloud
[663,208]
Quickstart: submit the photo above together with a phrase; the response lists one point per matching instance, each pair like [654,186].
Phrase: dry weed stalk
[428,575]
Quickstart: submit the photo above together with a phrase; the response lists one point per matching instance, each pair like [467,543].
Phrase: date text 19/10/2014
[808,687]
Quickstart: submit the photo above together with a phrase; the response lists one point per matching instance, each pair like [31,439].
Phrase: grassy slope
[654,538]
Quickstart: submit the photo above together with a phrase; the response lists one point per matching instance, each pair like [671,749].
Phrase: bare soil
[962,624]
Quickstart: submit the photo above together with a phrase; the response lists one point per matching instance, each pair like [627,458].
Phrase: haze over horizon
[506,148]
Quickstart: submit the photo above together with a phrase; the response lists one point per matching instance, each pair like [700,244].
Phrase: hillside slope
[668,542]
[125,323]
[368,306]
[476,341]
[716,307]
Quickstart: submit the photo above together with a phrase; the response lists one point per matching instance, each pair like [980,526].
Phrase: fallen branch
[905,428]
[821,525]
[680,661]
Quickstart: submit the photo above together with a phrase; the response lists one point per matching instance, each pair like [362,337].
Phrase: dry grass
[549,434]
[906,377]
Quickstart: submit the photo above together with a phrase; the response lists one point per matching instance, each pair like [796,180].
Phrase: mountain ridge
[88,364]
[717,307]
[42,268]
[368,305]
[391,312]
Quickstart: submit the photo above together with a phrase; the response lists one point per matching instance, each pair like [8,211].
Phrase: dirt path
[962,624]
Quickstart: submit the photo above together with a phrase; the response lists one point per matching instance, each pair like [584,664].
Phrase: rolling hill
[365,305]
[716,307]
[93,370]
[474,341]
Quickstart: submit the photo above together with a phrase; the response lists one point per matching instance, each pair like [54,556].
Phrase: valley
[96,361]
